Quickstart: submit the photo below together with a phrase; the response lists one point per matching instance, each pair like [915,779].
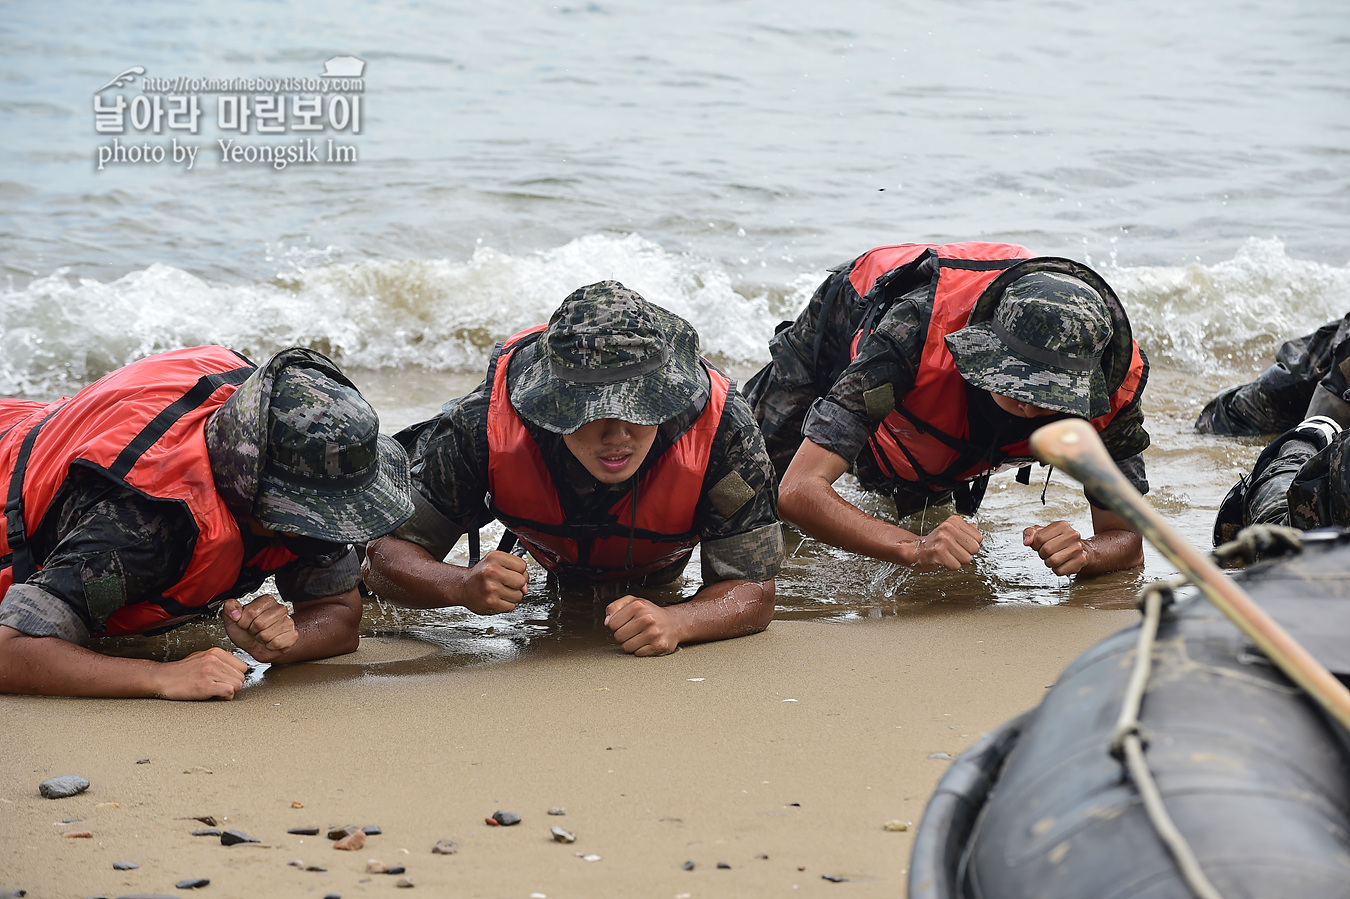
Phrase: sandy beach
[770,763]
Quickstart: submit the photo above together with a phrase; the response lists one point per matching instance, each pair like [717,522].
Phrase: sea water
[718,157]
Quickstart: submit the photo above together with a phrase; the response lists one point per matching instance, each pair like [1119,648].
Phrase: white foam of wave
[1232,315]
[441,314]
[59,334]
[447,315]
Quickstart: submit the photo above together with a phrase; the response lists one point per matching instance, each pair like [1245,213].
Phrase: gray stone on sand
[234,837]
[63,786]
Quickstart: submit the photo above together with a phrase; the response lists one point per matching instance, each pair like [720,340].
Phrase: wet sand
[781,755]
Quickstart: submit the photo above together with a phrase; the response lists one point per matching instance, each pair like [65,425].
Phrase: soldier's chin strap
[1024,477]
[967,495]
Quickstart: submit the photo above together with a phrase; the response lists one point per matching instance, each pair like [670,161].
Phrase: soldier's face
[1019,408]
[610,449]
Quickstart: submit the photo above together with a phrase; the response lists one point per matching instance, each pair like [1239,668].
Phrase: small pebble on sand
[557,810]
[125,866]
[896,826]
[404,883]
[235,837]
[304,831]
[351,842]
[193,883]
[562,836]
[505,819]
[445,847]
[375,866]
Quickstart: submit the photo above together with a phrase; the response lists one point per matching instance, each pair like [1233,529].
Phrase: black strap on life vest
[22,561]
[507,544]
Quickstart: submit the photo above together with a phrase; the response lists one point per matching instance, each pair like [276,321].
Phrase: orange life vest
[143,426]
[630,542]
[925,438]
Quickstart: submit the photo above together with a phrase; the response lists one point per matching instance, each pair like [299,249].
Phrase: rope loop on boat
[1259,541]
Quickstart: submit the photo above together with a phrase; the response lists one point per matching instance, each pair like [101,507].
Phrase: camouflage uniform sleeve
[868,389]
[737,516]
[449,474]
[304,581]
[112,547]
[1125,440]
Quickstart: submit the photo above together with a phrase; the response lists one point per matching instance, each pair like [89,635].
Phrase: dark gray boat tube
[1254,775]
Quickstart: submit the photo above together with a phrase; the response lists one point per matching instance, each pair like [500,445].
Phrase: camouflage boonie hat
[1045,340]
[608,353]
[297,448]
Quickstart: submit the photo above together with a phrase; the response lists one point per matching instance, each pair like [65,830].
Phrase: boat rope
[1128,743]
[1256,542]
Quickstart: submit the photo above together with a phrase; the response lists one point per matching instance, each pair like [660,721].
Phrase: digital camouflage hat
[1046,335]
[608,353]
[297,448]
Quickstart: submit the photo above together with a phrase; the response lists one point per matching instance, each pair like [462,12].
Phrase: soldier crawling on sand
[924,369]
[609,449]
[168,490]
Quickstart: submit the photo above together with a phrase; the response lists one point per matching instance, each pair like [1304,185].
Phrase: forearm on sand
[1114,545]
[807,499]
[725,609]
[406,574]
[51,666]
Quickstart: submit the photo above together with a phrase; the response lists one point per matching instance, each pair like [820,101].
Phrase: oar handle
[1074,446]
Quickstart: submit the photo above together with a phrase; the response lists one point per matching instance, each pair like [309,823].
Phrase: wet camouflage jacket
[741,537]
[124,543]
[789,405]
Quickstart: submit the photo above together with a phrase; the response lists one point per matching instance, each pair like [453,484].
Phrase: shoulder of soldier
[739,444]
[901,332]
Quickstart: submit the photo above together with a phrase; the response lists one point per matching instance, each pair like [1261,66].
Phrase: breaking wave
[445,315]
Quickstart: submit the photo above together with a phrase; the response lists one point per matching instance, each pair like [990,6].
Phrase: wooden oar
[1074,446]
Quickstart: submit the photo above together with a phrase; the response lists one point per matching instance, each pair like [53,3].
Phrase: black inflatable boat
[1254,777]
